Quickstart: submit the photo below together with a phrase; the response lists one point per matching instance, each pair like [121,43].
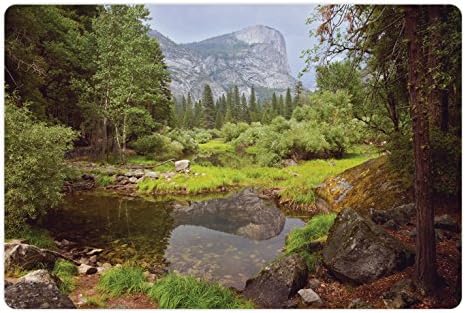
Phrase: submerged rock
[244,214]
[278,282]
[358,251]
[37,290]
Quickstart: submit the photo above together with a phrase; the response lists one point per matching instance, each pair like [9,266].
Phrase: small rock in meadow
[133,180]
[85,269]
[152,175]
[309,296]
[93,259]
[182,165]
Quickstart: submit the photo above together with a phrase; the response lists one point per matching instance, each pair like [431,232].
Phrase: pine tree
[198,111]
[244,109]
[208,108]
[188,113]
[289,106]
[281,107]
[274,106]
[299,89]
[253,109]
[228,117]
[236,104]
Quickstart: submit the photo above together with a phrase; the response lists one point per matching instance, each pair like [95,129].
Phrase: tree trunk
[432,83]
[425,262]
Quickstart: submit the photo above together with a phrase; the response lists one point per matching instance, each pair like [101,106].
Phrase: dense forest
[89,82]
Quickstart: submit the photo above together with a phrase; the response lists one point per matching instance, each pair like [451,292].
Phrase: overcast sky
[188,23]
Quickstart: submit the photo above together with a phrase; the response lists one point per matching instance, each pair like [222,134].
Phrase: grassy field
[295,183]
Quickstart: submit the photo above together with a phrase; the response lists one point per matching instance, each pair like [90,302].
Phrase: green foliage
[34,166]
[140,122]
[175,291]
[316,230]
[121,280]
[231,131]
[185,138]
[36,236]
[105,180]
[65,271]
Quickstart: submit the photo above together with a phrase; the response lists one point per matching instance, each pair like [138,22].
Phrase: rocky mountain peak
[254,56]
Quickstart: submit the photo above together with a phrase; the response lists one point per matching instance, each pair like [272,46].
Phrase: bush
[231,131]
[120,280]
[186,139]
[34,165]
[139,122]
[202,135]
[175,291]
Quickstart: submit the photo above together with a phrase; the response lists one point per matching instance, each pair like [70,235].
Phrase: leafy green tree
[129,71]
[34,165]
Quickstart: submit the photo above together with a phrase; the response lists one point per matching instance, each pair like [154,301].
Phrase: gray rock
[309,296]
[37,290]
[278,282]
[358,251]
[400,215]
[27,257]
[401,295]
[182,165]
[133,180]
[446,222]
[244,214]
[152,175]
[85,269]
[93,259]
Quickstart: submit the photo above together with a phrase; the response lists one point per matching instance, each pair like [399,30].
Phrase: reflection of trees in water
[128,229]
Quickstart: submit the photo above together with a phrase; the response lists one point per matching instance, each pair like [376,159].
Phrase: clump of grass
[96,301]
[65,271]
[105,180]
[37,236]
[316,230]
[121,280]
[175,291]
[16,272]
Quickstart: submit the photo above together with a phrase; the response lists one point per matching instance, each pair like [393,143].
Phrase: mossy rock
[373,184]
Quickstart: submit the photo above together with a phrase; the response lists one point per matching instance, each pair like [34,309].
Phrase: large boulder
[244,213]
[182,165]
[373,184]
[358,251]
[37,290]
[27,257]
[278,282]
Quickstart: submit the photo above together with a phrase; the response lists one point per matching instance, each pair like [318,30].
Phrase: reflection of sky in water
[223,257]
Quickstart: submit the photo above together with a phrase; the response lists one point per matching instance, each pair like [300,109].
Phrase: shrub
[120,280]
[65,271]
[148,144]
[231,131]
[34,165]
[185,138]
[202,135]
[175,291]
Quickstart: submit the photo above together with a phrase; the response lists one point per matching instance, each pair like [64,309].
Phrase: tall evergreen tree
[236,104]
[281,107]
[274,105]
[208,109]
[253,108]
[188,113]
[288,105]
[245,116]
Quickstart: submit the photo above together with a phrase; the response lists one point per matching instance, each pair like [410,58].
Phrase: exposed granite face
[254,56]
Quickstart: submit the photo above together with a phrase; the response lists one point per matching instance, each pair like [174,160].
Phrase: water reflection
[151,232]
